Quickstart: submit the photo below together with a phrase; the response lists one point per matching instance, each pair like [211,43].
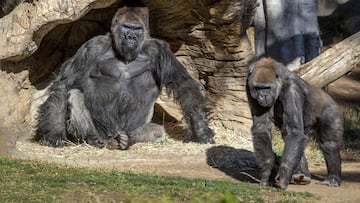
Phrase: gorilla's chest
[110,70]
[114,79]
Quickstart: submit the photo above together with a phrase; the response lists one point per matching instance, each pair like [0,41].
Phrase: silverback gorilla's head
[264,81]
[128,30]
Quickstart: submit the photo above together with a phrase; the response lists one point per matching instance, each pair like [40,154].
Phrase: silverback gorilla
[107,90]
[278,95]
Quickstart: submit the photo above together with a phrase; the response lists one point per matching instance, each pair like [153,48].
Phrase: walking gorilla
[278,95]
[107,90]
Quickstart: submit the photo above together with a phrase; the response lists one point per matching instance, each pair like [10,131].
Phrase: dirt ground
[230,159]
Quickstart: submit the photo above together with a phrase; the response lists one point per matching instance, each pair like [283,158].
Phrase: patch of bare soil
[230,159]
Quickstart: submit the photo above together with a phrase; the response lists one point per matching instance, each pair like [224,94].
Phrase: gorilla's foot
[52,141]
[265,183]
[95,141]
[112,144]
[331,181]
[300,179]
[281,184]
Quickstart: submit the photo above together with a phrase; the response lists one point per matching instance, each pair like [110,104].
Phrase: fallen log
[332,63]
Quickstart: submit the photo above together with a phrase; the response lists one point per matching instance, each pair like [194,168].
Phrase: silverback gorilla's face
[129,29]
[131,34]
[264,83]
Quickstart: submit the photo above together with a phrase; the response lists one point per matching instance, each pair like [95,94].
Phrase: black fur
[299,110]
[107,90]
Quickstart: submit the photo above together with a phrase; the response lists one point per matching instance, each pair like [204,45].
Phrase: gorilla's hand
[96,141]
[203,134]
[283,176]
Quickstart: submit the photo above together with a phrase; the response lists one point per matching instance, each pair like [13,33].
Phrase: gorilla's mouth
[266,102]
[130,43]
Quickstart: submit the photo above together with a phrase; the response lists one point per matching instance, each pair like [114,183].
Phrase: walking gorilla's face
[129,29]
[265,84]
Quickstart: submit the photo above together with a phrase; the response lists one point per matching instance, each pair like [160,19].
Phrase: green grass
[31,181]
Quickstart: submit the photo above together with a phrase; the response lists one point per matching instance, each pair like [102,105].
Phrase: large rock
[23,29]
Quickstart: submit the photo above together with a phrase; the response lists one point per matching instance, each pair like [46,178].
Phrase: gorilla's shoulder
[154,46]
[100,40]
[98,44]
[288,75]
[156,43]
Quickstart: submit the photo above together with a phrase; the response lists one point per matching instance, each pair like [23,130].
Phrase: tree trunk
[209,38]
[333,63]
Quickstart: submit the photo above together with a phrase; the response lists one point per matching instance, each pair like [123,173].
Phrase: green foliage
[278,143]
[312,152]
[30,181]
[352,127]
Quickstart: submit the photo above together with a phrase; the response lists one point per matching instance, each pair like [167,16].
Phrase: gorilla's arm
[292,99]
[261,131]
[186,91]
[51,130]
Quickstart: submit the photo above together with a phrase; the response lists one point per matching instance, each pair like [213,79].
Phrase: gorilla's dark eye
[132,26]
[262,87]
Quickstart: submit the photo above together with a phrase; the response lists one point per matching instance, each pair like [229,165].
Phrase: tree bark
[333,63]
[209,38]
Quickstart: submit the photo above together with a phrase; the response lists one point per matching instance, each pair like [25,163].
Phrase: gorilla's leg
[149,132]
[80,124]
[302,174]
[291,157]
[333,163]
[330,144]
[50,129]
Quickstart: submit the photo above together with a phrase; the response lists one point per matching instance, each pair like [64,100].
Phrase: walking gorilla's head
[264,82]
[129,29]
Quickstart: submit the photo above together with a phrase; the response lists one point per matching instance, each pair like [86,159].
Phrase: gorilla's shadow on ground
[237,163]
[241,164]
